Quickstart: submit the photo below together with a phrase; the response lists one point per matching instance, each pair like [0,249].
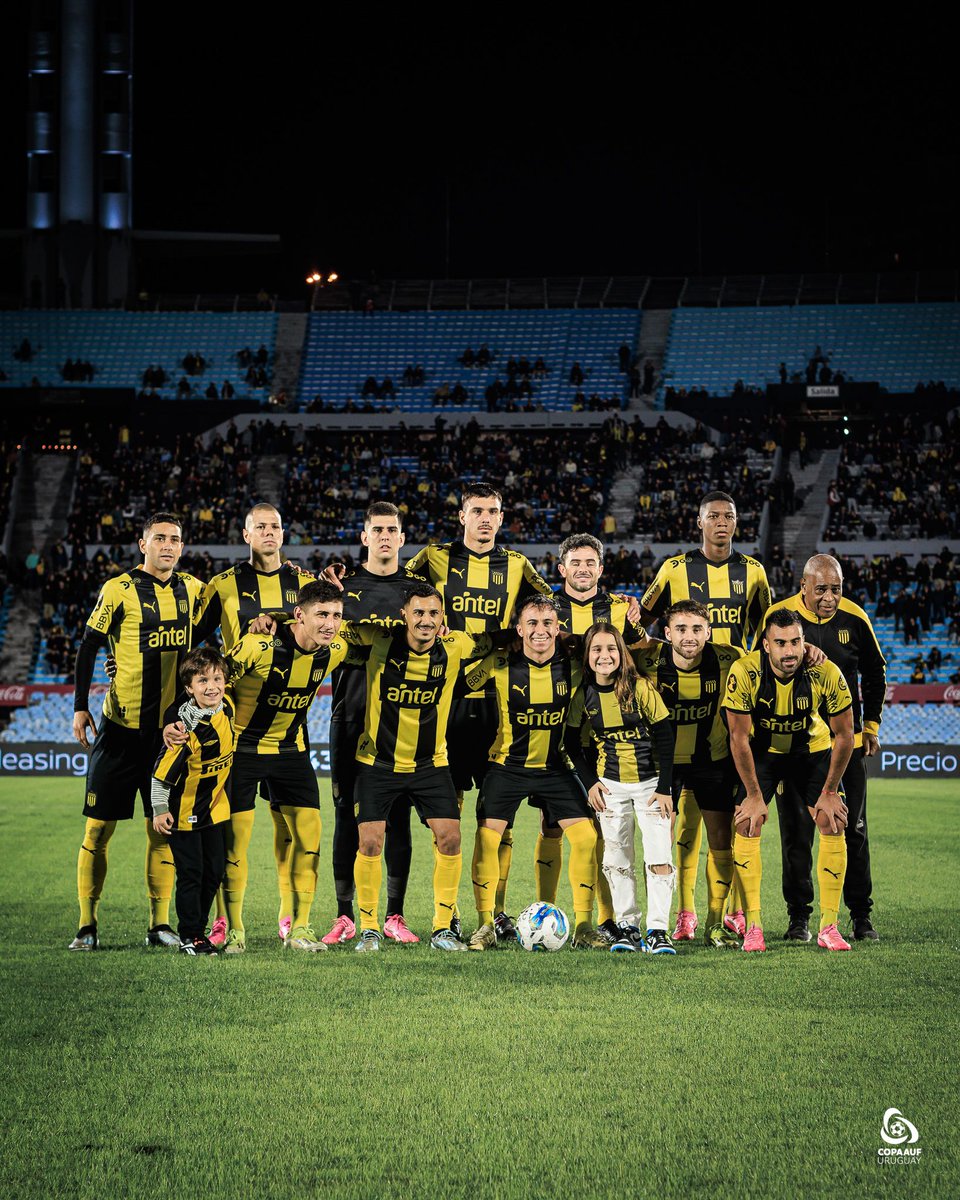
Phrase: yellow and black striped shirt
[847,638]
[736,592]
[273,683]
[236,597]
[148,624]
[625,752]
[576,616]
[533,700]
[409,695]
[786,713]
[692,696]
[197,772]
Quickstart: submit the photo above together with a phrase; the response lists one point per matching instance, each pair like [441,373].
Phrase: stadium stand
[895,345]
[344,349]
[898,480]
[122,346]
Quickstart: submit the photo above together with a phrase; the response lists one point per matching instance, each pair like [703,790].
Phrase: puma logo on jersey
[521,690]
[355,595]
[396,662]
[454,571]
[698,586]
[152,607]
[252,595]
[762,700]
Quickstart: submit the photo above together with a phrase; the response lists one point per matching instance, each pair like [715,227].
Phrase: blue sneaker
[657,942]
[629,939]
[445,939]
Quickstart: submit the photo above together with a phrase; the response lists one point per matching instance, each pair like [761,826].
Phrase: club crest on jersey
[290,597]
[182,605]
[843,636]
[710,685]
[437,671]
[803,702]
[562,688]
[498,577]
[739,587]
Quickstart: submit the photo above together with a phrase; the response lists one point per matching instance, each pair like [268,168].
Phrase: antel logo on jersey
[478,606]
[165,638]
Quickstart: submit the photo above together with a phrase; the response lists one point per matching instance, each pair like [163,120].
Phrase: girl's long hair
[625,678]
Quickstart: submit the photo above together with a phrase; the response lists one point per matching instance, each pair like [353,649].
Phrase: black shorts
[429,789]
[121,764]
[471,731]
[290,778]
[803,774]
[715,786]
[560,794]
[343,762]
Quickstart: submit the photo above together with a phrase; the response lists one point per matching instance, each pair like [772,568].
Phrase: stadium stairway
[288,354]
[801,530]
[269,471]
[652,344]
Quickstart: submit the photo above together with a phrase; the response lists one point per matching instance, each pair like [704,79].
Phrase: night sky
[554,147]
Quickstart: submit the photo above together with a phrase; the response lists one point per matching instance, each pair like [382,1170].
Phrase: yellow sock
[689,835]
[92,868]
[547,861]
[604,899]
[160,873]
[736,901]
[283,855]
[367,876]
[221,908]
[582,871]
[831,868]
[239,833]
[504,859]
[719,881]
[486,872]
[446,884]
[305,827]
[749,870]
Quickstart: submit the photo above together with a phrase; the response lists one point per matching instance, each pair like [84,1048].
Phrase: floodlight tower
[80,153]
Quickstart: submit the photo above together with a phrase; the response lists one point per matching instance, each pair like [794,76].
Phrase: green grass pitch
[143,1073]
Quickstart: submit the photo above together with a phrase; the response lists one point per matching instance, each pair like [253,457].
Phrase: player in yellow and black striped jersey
[273,681]
[625,718]
[534,688]
[189,794]
[843,631]
[234,598]
[735,590]
[581,602]
[732,585]
[411,675]
[481,585]
[375,591]
[690,672]
[145,617]
[772,706]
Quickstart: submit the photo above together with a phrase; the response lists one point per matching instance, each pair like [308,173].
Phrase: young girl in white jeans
[626,719]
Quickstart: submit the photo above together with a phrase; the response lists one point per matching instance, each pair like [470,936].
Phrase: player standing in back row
[735,590]
[482,585]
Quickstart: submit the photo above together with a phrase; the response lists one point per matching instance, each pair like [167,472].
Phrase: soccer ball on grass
[542,927]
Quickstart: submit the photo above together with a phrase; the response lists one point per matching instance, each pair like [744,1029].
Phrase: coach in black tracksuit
[844,633]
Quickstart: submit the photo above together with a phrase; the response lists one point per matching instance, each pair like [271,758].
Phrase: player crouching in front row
[772,707]
[189,795]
